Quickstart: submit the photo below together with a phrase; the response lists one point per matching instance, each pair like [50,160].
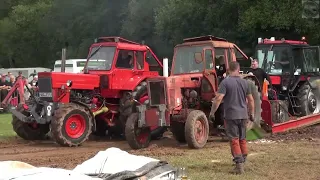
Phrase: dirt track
[47,153]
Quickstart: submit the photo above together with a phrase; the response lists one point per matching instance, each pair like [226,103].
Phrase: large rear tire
[127,107]
[196,129]
[29,131]
[71,125]
[136,137]
[309,99]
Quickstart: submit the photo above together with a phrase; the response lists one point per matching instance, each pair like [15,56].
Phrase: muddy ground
[47,153]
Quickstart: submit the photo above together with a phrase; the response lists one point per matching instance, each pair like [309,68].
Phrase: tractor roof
[209,39]
[283,41]
[120,42]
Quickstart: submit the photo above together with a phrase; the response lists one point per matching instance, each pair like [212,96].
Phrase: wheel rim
[142,135]
[75,126]
[200,131]
[313,103]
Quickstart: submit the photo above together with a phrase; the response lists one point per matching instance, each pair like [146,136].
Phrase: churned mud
[50,154]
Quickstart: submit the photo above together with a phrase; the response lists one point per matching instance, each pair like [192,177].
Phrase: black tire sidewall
[193,116]
[130,129]
[87,126]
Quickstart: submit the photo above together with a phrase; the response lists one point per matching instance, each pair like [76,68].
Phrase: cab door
[124,70]
[209,82]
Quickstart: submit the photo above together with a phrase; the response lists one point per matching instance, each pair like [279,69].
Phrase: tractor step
[296,123]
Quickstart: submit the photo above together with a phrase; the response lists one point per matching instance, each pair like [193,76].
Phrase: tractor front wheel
[196,129]
[71,125]
[136,137]
[29,131]
[127,107]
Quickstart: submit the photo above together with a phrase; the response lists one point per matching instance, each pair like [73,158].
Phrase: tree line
[32,32]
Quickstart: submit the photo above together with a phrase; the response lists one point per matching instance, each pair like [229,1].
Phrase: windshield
[102,59]
[277,59]
[305,59]
[185,62]
[311,62]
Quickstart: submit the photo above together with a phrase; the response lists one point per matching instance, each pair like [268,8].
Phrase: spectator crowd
[8,80]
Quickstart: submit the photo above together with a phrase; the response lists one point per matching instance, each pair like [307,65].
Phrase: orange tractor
[182,101]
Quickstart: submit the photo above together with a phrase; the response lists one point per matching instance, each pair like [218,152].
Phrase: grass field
[276,160]
[5,126]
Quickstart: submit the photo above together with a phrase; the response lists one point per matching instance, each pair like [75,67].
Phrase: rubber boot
[239,169]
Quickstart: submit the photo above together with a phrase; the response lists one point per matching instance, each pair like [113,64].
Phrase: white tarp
[110,161]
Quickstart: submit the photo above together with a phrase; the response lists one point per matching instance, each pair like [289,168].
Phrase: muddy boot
[239,169]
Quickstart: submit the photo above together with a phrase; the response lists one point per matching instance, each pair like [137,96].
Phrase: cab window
[208,58]
[125,59]
[139,60]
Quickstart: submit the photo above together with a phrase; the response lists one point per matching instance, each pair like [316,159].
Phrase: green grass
[291,160]
[5,126]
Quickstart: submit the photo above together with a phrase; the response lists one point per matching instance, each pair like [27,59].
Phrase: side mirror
[198,57]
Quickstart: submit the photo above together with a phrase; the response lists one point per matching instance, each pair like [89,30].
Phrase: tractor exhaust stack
[165,67]
[64,57]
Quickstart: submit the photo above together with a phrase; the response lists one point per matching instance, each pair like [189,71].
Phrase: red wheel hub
[142,135]
[200,131]
[75,126]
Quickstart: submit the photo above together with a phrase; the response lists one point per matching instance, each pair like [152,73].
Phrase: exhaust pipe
[165,65]
[64,57]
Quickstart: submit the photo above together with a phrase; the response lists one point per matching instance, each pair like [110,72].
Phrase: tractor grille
[45,89]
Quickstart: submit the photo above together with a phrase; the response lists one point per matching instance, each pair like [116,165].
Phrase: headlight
[284,88]
[69,83]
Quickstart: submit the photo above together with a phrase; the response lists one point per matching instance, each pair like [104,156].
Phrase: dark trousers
[3,94]
[236,132]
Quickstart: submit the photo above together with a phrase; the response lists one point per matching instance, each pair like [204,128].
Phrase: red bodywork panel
[79,81]
[294,123]
[275,80]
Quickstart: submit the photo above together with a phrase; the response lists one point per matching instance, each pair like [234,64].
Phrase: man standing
[259,73]
[235,91]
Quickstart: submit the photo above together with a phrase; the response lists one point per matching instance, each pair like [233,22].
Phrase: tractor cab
[293,67]
[121,63]
[281,56]
[205,53]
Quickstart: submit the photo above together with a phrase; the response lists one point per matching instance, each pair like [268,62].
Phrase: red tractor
[182,101]
[294,70]
[97,100]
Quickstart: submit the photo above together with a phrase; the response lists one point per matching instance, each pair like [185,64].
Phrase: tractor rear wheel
[196,129]
[29,131]
[309,99]
[127,107]
[71,125]
[257,104]
[136,137]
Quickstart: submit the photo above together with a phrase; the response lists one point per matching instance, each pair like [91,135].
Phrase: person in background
[34,82]
[259,73]
[26,92]
[235,92]
[12,80]
[4,87]
[7,76]
[20,75]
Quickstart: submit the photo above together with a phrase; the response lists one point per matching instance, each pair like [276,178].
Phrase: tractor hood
[79,81]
